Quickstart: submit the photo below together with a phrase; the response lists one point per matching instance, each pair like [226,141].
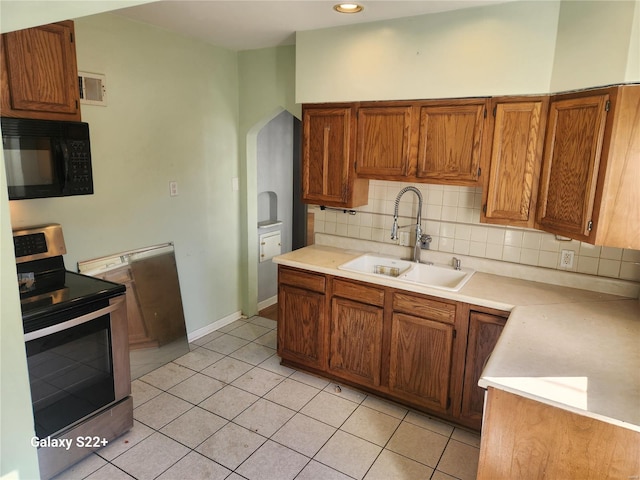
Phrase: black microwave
[46,158]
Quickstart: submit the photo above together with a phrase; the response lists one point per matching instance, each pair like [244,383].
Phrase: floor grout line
[289,375]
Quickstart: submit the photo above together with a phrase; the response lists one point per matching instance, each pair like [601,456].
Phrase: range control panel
[30,244]
[42,241]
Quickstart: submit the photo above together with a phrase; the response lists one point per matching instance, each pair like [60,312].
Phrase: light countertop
[571,348]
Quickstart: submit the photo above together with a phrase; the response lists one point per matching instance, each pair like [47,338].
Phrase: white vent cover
[93,90]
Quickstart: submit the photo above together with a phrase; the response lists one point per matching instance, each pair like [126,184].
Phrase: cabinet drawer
[358,293]
[424,307]
[297,278]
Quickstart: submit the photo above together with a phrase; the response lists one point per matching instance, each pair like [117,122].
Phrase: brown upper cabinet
[450,145]
[39,74]
[385,135]
[591,166]
[567,164]
[328,157]
[435,141]
[515,139]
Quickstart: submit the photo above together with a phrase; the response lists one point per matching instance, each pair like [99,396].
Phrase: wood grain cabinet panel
[405,346]
[529,440]
[384,141]
[328,157]
[450,143]
[39,74]
[301,317]
[421,358]
[424,307]
[308,281]
[426,141]
[571,161]
[359,292]
[300,337]
[484,331]
[356,341]
[616,219]
[591,165]
[517,139]
[355,331]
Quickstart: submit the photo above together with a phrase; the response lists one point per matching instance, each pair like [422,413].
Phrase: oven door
[71,369]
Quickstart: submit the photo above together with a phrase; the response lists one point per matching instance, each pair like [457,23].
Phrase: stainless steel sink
[443,277]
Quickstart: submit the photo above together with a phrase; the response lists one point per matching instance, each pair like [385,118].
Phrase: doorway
[281,214]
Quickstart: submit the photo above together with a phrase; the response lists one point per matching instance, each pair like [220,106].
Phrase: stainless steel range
[77,352]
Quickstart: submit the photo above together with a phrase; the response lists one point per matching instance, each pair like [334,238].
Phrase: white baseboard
[268,302]
[201,332]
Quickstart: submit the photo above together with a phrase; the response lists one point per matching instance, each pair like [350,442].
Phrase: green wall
[17,457]
[595,44]
[524,47]
[494,50]
[172,115]
[267,86]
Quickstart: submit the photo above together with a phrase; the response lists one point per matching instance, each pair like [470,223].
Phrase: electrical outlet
[566,259]
[173,188]
[404,239]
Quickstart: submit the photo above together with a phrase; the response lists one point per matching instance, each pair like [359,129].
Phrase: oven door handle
[43,332]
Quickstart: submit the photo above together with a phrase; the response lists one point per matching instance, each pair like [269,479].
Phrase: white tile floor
[229,410]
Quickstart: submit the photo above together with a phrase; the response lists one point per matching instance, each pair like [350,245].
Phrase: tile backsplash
[451,216]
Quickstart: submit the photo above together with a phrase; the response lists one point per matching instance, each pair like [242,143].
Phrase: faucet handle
[457,264]
[425,241]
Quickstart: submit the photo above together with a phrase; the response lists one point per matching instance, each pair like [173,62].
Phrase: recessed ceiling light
[348,7]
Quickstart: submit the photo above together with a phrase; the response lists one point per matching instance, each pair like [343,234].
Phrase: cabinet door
[301,317]
[516,156]
[41,77]
[573,146]
[484,330]
[450,142]
[421,357]
[384,140]
[328,171]
[356,341]
[618,223]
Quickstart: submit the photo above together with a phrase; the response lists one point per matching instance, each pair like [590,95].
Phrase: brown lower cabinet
[356,314]
[301,300]
[422,351]
[423,338]
[530,440]
[484,331]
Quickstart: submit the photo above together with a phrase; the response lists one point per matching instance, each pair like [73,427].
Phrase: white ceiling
[252,24]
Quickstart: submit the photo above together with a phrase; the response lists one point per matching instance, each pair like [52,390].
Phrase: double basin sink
[436,276]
